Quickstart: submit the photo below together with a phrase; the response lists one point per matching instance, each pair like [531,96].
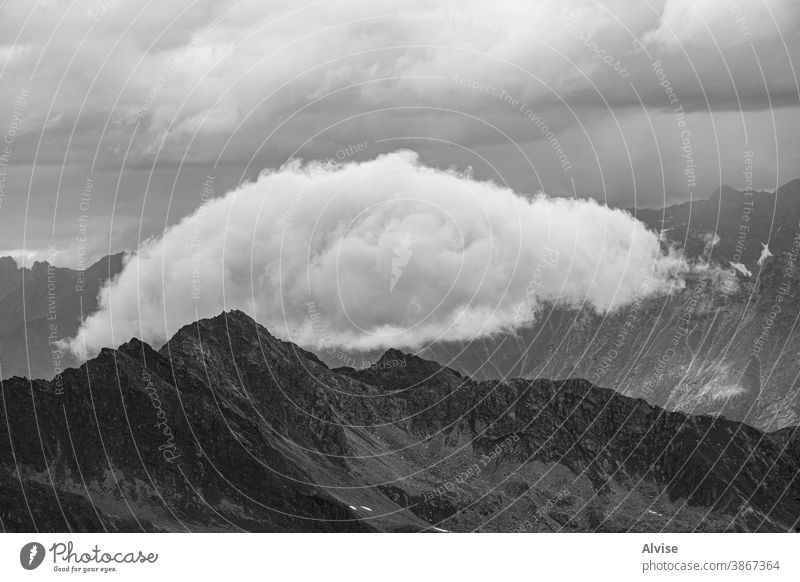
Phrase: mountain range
[675,413]
[722,341]
[227,428]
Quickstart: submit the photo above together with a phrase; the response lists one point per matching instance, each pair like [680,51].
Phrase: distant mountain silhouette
[42,304]
[741,220]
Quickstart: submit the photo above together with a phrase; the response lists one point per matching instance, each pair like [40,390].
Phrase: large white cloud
[381,253]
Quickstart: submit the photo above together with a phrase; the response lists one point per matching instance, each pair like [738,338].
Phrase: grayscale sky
[114,113]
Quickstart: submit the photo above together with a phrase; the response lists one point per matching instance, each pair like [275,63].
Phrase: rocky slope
[228,428]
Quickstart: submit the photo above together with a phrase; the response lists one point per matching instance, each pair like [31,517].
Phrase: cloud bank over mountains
[387,252]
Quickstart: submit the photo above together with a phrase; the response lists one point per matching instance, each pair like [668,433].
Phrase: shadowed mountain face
[742,220]
[41,305]
[725,343]
[228,428]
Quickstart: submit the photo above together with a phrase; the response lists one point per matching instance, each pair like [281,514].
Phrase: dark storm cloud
[118,84]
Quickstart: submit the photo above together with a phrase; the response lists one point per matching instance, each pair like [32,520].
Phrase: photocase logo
[402,255]
[31,555]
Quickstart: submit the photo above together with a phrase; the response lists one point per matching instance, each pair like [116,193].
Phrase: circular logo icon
[31,555]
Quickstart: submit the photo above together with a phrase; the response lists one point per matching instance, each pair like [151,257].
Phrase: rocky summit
[227,428]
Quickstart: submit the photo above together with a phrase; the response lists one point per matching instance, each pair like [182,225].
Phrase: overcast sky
[119,111]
